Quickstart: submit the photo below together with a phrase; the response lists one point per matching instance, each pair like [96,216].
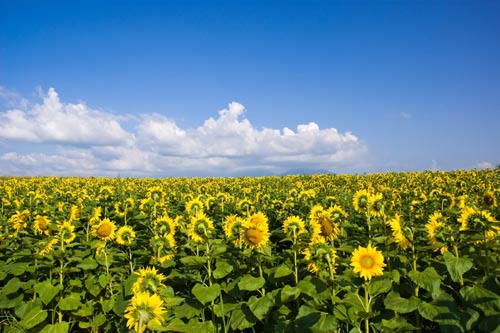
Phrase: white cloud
[483,165]
[88,141]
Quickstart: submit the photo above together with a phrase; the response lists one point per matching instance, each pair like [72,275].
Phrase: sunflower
[155,193]
[164,225]
[397,232]
[245,206]
[320,256]
[338,214]
[149,280]
[294,226]
[125,235]
[200,228]
[143,310]
[194,207]
[360,201]
[48,247]
[122,208]
[436,227]
[96,216]
[376,204]
[105,230]
[41,225]
[19,219]
[67,232]
[232,225]
[329,229]
[489,199]
[368,262]
[254,231]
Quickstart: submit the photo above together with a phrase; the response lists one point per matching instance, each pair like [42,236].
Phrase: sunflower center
[42,224]
[488,200]
[326,227]
[104,230]
[367,262]
[254,236]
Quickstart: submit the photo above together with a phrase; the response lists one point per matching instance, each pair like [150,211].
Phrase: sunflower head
[41,225]
[254,232]
[376,204]
[489,199]
[368,262]
[143,310]
[438,230]
[149,280]
[194,207]
[200,228]
[125,235]
[105,230]
[294,226]
[155,193]
[320,256]
[164,225]
[360,201]
[398,233]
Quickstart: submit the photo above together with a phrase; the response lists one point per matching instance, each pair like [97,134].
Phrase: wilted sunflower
[67,232]
[41,225]
[397,232]
[368,262]
[255,231]
[125,235]
[149,280]
[200,228]
[105,230]
[360,201]
[294,226]
[143,310]
[320,256]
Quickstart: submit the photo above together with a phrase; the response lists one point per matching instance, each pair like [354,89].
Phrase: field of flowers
[390,252]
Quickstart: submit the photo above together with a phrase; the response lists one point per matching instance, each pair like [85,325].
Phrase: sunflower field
[395,252]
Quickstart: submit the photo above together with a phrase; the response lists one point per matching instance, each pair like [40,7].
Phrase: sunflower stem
[295,267]
[367,308]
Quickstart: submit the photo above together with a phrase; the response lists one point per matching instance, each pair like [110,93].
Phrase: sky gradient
[231,88]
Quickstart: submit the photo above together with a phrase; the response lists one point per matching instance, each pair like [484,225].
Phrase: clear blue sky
[137,87]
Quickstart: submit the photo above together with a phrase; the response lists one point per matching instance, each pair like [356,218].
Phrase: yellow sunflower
[155,193]
[125,235]
[41,225]
[435,228]
[67,232]
[144,309]
[105,230]
[360,201]
[164,225]
[149,280]
[19,219]
[200,228]
[489,199]
[397,232]
[48,247]
[320,256]
[329,228]
[254,232]
[124,207]
[194,207]
[368,262]
[376,204]
[294,226]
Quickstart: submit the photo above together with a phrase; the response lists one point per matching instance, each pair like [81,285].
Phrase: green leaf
[379,286]
[397,324]
[260,307]
[8,303]
[107,304]
[193,260]
[12,286]
[33,318]
[393,301]
[289,293]
[282,271]
[251,283]
[429,280]
[206,294]
[86,310]
[70,302]
[222,269]
[314,287]
[92,286]
[104,280]
[62,327]
[310,320]
[242,319]
[478,297]
[46,291]
[457,266]
[87,264]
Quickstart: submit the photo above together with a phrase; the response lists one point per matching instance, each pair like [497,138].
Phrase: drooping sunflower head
[194,207]
[200,228]
[438,230]
[41,225]
[376,204]
[474,219]
[124,207]
[294,226]
[143,310]
[164,225]
[338,214]
[368,262]
[320,256]
[489,199]
[125,235]
[360,201]
[245,206]
[398,233]
[48,246]
[106,193]
[254,232]
[105,230]
[67,232]
[19,220]
[155,193]
[149,280]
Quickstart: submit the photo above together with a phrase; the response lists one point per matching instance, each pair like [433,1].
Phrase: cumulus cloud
[483,165]
[90,141]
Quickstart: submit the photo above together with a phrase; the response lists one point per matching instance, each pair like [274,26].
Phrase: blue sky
[228,88]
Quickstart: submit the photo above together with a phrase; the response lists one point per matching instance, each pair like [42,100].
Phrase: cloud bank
[56,138]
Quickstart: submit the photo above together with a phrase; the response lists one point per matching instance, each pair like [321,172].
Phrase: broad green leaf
[457,266]
[282,271]
[251,283]
[260,306]
[193,260]
[397,324]
[379,286]
[46,291]
[70,302]
[62,327]
[289,293]
[311,320]
[314,287]
[12,286]
[393,301]
[481,298]
[107,304]
[242,319]
[33,318]
[104,280]
[222,269]
[206,294]
[92,285]
[87,264]
[429,279]
[7,302]
[86,310]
